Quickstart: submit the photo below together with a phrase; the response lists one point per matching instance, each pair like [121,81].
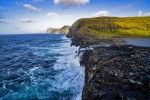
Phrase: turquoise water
[39,67]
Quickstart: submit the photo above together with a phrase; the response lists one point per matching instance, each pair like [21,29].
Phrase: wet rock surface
[117,72]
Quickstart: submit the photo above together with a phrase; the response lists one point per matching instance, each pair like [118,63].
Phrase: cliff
[116,73]
[88,31]
[113,70]
[63,30]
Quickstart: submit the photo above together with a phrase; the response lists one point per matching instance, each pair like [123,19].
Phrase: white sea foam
[72,76]
[33,69]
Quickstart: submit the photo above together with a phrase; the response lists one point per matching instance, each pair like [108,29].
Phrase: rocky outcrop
[63,30]
[113,70]
[116,73]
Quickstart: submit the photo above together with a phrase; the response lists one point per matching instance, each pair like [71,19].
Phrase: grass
[115,26]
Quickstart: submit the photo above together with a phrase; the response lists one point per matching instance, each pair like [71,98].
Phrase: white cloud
[37,0]
[30,7]
[140,13]
[51,14]
[147,14]
[19,3]
[100,13]
[71,2]
[26,20]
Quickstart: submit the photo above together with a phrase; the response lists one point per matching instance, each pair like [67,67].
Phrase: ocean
[39,67]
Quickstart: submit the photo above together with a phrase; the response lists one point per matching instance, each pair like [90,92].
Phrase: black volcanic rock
[117,73]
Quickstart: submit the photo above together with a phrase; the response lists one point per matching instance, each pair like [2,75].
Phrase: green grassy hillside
[114,26]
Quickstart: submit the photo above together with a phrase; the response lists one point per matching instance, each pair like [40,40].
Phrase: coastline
[113,70]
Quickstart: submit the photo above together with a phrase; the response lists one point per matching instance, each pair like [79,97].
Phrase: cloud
[51,14]
[26,20]
[17,28]
[122,7]
[3,22]
[100,13]
[147,14]
[128,6]
[30,7]
[2,8]
[140,13]
[19,3]
[71,2]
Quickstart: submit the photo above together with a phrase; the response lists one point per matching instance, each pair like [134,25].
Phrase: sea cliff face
[113,70]
[116,73]
[63,30]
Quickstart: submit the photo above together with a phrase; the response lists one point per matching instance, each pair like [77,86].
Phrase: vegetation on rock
[114,26]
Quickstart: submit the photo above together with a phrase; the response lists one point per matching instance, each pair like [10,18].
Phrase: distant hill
[63,30]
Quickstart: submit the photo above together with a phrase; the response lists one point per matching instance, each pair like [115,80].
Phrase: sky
[35,16]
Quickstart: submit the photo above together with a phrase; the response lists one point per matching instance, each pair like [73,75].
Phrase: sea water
[39,67]
[143,42]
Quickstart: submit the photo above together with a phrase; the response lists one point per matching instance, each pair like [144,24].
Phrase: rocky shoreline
[113,70]
[116,73]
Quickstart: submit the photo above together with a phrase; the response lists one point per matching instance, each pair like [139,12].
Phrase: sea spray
[72,76]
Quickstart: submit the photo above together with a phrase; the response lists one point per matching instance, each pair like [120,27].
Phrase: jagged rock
[119,72]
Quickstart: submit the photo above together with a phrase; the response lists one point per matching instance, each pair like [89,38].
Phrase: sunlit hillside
[115,26]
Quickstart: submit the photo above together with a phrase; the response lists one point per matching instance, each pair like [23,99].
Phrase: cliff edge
[113,70]
[63,30]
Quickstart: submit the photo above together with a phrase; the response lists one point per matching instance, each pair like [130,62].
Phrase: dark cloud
[3,22]
[17,28]
[26,20]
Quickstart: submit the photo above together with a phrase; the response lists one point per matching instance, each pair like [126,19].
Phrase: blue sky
[35,16]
